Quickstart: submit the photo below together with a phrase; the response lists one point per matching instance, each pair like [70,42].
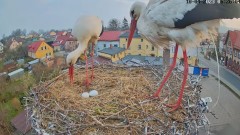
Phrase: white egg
[85,95]
[93,93]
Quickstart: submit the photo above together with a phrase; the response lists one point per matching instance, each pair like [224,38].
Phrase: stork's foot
[173,106]
[86,83]
[92,77]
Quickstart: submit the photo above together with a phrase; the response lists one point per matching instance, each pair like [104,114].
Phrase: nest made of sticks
[122,107]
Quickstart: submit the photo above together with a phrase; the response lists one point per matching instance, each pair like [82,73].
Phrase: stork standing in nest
[185,23]
[87,30]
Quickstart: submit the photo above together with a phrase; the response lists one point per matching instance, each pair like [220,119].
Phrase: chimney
[110,46]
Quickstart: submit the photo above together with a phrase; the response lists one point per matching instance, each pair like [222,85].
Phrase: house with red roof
[65,41]
[232,46]
[40,49]
[107,39]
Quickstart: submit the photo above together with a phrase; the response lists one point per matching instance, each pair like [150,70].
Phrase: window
[239,54]
[126,39]
[49,53]
[235,53]
[152,48]
[146,46]
[141,40]
[124,46]
[42,48]
[104,45]
[172,50]
[139,47]
[113,56]
[230,50]
[229,43]
[45,47]
[115,45]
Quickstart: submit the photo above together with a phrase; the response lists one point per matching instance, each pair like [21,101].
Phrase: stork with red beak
[185,23]
[87,30]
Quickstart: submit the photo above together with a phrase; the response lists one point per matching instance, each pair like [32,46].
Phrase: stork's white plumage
[185,23]
[87,30]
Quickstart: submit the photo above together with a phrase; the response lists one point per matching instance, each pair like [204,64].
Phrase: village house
[112,53]
[139,46]
[52,33]
[71,44]
[232,45]
[1,47]
[40,49]
[107,39]
[64,41]
[15,43]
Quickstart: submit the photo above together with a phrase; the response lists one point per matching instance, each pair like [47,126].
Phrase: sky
[57,14]
[61,14]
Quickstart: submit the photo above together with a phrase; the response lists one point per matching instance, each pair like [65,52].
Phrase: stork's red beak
[132,30]
[70,72]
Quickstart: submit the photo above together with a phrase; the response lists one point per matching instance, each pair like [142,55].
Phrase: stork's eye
[132,13]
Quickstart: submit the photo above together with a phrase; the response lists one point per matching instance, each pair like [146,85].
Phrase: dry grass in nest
[122,106]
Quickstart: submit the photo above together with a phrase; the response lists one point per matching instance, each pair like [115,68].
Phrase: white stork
[185,23]
[87,30]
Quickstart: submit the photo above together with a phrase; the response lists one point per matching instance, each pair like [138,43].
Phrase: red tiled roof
[235,38]
[72,39]
[21,122]
[34,46]
[55,44]
[63,38]
[110,35]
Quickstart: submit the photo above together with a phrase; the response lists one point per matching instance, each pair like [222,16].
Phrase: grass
[1,65]
[11,97]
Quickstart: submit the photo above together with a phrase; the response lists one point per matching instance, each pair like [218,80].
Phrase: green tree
[114,24]
[125,25]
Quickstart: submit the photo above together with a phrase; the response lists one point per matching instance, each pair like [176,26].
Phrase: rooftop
[125,35]
[112,50]
[235,38]
[110,35]
[34,46]
[21,123]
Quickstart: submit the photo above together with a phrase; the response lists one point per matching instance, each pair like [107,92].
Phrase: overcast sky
[59,14]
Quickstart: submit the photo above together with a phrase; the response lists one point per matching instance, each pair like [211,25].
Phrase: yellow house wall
[118,56]
[42,53]
[144,51]
[105,55]
[113,58]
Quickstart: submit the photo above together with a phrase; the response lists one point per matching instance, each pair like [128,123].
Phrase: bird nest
[122,106]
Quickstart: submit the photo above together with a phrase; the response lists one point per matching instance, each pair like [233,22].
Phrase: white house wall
[191,51]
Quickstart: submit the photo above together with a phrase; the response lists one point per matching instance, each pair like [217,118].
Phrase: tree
[16,33]
[125,25]
[114,24]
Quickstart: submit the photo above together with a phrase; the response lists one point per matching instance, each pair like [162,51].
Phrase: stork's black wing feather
[206,12]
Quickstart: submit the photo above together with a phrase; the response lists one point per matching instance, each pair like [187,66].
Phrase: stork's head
[72,58]
[135,13]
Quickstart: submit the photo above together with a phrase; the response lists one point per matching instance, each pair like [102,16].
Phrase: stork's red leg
[70,71]
[185,74]
[92,54]
[87,81]
[168,73]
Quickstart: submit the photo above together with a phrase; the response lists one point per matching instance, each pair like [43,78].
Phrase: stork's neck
[83,44]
